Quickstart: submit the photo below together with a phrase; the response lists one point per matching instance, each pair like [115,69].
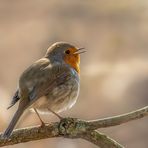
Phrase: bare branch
[101,140]
[74,128]
[117,120]
[30,134]
[68,127]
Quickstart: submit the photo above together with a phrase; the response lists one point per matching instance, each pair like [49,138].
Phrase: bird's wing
[44,77]
[55,76]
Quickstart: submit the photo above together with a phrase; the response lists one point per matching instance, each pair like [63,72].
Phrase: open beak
[80,50]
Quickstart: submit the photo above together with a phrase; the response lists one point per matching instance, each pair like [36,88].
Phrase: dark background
[114,71]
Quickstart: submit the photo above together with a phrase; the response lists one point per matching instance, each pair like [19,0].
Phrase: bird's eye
[67,51]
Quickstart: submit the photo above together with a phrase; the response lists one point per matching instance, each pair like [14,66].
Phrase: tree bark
[75,128]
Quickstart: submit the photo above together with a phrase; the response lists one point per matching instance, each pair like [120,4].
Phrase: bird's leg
[55,114]
[42,123]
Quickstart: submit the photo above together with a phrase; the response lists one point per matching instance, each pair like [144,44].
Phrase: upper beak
[80,50]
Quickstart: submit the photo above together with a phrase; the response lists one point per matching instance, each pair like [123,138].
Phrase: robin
[51,84]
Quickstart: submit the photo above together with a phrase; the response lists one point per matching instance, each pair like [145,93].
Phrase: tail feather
[12,124]
[14,99]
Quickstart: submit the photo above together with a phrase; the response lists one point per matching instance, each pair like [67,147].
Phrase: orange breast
[74,61]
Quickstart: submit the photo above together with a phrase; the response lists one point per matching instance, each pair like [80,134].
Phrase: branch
[68,127]
[120,119]
[101,140]
[74,128]
[30,134]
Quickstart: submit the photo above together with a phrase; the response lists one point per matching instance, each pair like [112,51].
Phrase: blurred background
[114,71]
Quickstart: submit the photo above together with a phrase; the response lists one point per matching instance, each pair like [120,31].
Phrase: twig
[101,140]
[120,119]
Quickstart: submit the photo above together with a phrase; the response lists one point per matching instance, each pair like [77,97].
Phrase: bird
[51,84]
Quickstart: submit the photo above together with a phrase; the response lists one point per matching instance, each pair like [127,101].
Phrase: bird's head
[65,53]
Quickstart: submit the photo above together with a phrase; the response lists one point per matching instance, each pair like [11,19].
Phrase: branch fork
[75,128]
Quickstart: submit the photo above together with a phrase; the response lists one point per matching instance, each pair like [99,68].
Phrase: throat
[76,66]
[74,62]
